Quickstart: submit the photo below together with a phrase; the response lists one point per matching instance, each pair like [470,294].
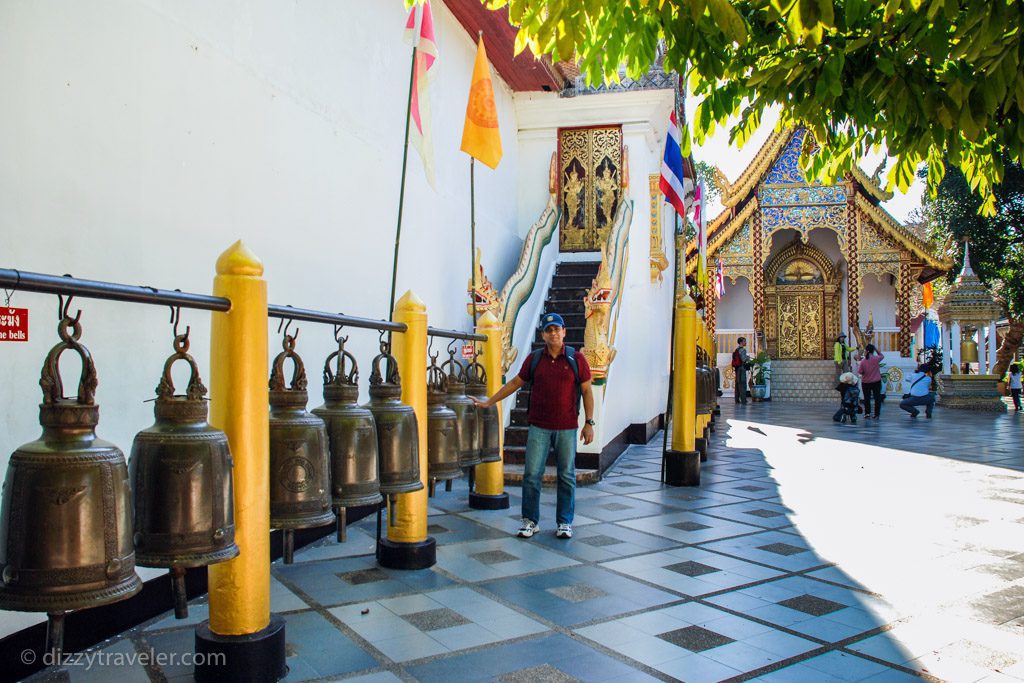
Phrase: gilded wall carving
[590,184]
[803,219]
[658,260]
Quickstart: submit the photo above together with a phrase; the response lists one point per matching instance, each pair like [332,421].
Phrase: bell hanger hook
[180,340]
[62,309]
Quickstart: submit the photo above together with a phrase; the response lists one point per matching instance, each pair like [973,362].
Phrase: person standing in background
[871,380]
[740,363]
[1015,385]
[841,355]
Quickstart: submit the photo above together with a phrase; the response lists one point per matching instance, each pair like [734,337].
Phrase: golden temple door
[801,334]
[590,169]
[801,295]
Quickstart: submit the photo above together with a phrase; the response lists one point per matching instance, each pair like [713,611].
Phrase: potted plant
[761,375]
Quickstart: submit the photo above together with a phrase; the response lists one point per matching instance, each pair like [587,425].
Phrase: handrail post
[407,545]
[682,467]
[242,640]
[490,476]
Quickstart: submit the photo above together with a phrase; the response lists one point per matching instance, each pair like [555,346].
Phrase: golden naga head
[600,293]
[481,292]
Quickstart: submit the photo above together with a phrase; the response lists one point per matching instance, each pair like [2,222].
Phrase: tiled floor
[883,551]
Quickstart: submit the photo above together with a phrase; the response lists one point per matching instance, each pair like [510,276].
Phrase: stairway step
[581,281]
[559,290]
[515,435]
[577,268]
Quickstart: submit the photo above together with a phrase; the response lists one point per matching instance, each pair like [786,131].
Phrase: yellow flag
[480,136]
[927,295]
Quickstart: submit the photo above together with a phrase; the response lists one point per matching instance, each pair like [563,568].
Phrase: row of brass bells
[181,482]
[352,435]
[443,438]
[300,495]
[488,421]
[465,413]
[66,529]
[398,444]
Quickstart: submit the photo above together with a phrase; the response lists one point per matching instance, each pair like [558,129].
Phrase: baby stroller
[849,394]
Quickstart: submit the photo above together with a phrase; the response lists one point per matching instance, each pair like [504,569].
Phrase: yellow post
[684,392]
[240,588]
[490,476]
[409,523]
[682,463]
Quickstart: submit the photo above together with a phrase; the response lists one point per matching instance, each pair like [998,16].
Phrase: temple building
[804,261]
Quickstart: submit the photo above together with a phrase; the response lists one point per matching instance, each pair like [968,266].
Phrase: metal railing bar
[307,315]
[454,334]
[19,280]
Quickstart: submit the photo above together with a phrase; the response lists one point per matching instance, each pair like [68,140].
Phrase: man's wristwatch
[590,422]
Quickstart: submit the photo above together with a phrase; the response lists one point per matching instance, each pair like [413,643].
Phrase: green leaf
[729,20]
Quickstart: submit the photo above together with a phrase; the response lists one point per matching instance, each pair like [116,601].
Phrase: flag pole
[672,337]
[401,191]
[472,227]
[472,237]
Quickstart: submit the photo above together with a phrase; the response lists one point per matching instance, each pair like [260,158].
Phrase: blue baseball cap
[549,319]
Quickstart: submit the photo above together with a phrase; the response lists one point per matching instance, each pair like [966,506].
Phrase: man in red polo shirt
[553,418]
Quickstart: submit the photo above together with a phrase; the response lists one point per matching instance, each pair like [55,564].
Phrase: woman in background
[871,380]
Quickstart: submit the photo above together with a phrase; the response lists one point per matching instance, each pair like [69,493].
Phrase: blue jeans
[910,404]
[538,443]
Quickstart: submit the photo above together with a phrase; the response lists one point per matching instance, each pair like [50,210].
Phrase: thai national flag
[671,182]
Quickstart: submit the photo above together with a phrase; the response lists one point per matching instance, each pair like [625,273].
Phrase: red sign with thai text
[13,324]
[467,351]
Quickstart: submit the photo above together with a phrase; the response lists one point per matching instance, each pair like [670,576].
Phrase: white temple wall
[638,378]
[878,298]
[735,310]
[139,140]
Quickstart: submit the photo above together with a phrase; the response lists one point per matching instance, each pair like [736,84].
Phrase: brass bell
[442,430]
[968,347]
[488,420]
[352,436]
[465,412]
[65,526]
[180,470]
[300,492]
[398,443]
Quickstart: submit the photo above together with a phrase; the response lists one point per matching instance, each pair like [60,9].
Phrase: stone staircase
[806,381]
[565,297]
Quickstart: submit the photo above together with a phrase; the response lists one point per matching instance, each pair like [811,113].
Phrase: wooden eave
[734,193]
[523,72]
[869,184]
[891,227]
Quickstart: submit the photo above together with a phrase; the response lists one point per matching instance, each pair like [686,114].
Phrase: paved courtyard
[882,551]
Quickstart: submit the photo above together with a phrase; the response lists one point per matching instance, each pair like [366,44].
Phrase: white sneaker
[528,529]
[564,531]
